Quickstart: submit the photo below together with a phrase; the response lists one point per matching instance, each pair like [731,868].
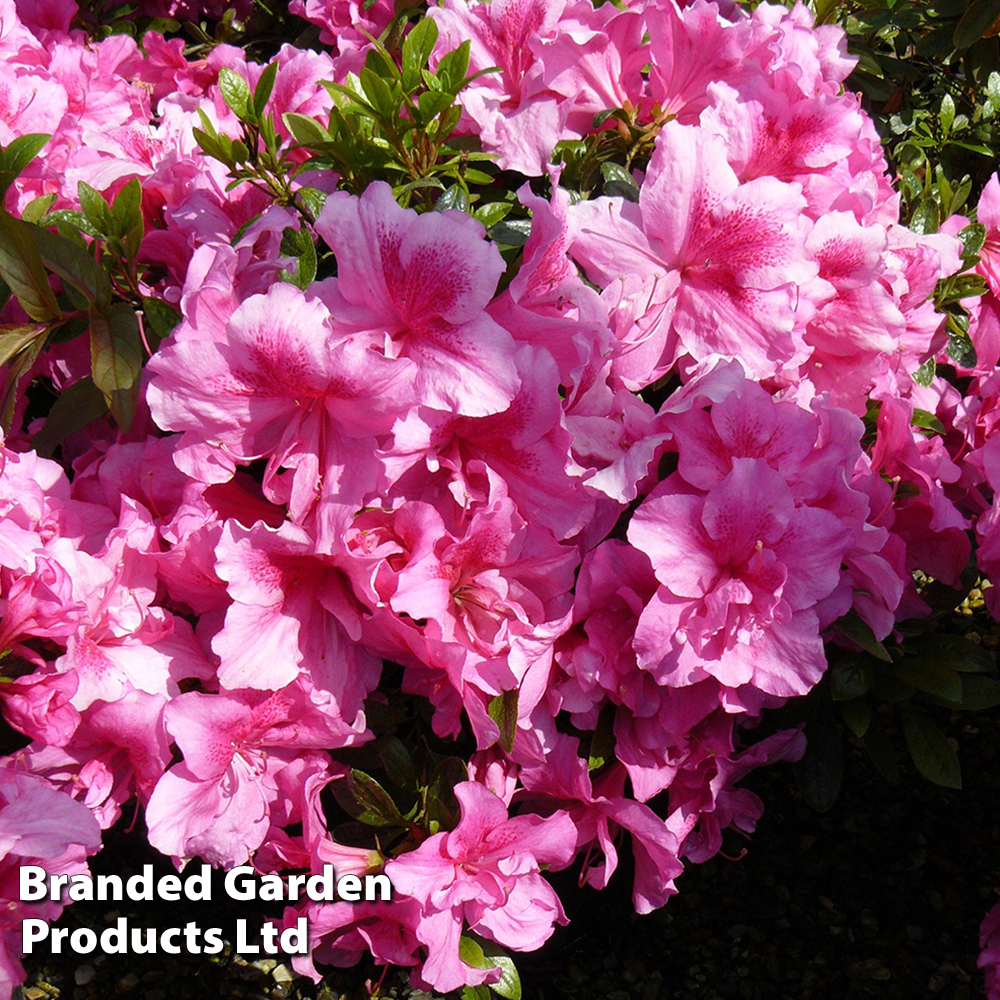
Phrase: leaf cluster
[99,296]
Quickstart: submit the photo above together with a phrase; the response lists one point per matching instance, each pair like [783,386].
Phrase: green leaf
[978,19]
[417,48]
[14,339]
[95,208]
[73,265]
[454,197]
[930,677]
[509,983]
[487,955]
[820,772]
[305,130]
[160,317]
[927,421]
[471,953]
[961,350]
[947,113]
[930,750]
[511,232]
[313,200]
[17,156]
[480,992]
[262,92]
[492,212]
[502,710]
[956,652]
[68,217]
[23,270]
[126,215]
[449,772]
[38,208]
[116,359]
[851,677]
[236,93]
[979,693]
[858,716]
[298,244]
[973,239]
[380,94]
[19,366]
[375,803]
[431,103]
[616,172]
[924,375]
[397,761]
[858,632]
[927,218]
[76,407]
[453,67]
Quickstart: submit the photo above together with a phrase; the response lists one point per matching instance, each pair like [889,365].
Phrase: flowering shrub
[436,456]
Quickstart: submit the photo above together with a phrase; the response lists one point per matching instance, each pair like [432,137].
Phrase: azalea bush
[442,451]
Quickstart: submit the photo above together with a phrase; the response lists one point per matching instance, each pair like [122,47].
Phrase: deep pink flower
[486,873]
[701,265]
[415,287]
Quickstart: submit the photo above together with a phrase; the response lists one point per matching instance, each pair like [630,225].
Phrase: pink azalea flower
[416,287]
[287,619]
[38,826]
[217,802]
[701,265]
[484,873]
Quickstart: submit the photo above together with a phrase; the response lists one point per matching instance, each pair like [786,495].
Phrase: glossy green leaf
[14,339]
[73,265]
[859,632]
[947,113]
[417,48]
[396,760]
[23,270]
[973,239]
[927,218]
[126,216]
[453,197]
[298,244]
[933,755]
[160,319]
[95,208]
[265,86]
[18,155]
[19,366]
[930,677]
[503,711]
[236,93]
[509,983]
[979,693]
[452,68]
[511,232]
[305,130]
[38,208]
[116,359]
[375,804]
[924,375]
[881,751]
